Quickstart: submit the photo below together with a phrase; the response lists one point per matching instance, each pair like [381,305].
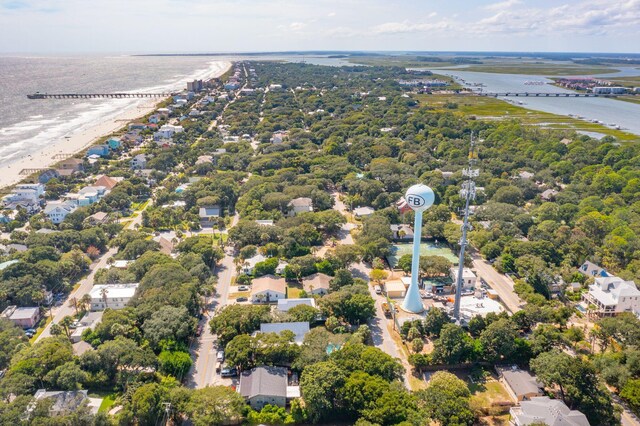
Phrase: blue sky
[83,26]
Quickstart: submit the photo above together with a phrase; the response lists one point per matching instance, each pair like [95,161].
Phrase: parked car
[387,310]
[229,372]
[241,299]
[243,288]
[378,289]
[426,294]
[31,330]
[199,330]
[220,356]
[28,334]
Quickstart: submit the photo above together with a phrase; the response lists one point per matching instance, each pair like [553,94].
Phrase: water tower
[419,197]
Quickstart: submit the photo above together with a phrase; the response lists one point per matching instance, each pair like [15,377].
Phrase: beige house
[268,289]
[316,284]
[520,384]
[300,205]
[395,289]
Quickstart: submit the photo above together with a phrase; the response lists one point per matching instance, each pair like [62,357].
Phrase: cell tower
[468,192]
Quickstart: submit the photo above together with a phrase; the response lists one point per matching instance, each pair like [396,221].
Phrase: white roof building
[612,296]
[114,296]
[299,329]
[543,410]
[250,263]
[468,277]
[57,211]
[285,304]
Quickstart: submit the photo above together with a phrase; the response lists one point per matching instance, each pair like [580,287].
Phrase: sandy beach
[76,141]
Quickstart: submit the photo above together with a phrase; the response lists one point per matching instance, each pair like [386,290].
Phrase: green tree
[319,385]
[215,405]
[498,340]
[453,346]
[446,400]
[175,363]
[168,323]
[434,321]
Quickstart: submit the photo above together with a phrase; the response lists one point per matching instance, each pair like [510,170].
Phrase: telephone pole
[468,192]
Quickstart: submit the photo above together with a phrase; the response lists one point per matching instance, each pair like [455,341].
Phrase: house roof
[253,260]
[394,286]
[299,329]
[285,304]
[592,270]
[609,290]
[316,281]
[106,181]
[52,206]
[552,412]
[5,265]
[266,381]
[301,202]
[521,382]
[99,216]
[466,273]
[208,211]
[114,290]
[24,313]
[268,283]
[363,211]
[64,401]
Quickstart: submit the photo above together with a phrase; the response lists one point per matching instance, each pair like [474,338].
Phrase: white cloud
[297,26]
[331,14]
[409,27]
[502,5]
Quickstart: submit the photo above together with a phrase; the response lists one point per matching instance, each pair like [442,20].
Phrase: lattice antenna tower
[468,193]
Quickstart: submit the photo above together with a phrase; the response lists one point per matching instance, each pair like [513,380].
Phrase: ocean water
[27,126]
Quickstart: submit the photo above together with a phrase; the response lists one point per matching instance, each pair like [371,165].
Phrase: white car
[220,356]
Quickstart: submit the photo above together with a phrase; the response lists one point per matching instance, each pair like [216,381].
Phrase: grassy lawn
[632,99]
[108,399]
[40,330]
[539,69]
[239,294]
[293,291]
[497,109]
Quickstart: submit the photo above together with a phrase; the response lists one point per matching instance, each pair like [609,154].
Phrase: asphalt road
[86,284]
[497,281]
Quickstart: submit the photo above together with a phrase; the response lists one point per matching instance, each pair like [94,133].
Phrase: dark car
[199,330]
[229,372]
[241,299]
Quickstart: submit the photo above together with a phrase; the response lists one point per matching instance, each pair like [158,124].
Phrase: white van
[378,289]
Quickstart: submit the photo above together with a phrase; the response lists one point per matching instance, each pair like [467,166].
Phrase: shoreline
[78,141]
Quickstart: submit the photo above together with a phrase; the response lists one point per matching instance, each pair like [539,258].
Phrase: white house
[317,284]
[114,296]
[544,410]
[612,296]
[360,212]
[25,193]
[250,263]
[300,205]
[139,162]
[268,289]
[57,211]
[468,277]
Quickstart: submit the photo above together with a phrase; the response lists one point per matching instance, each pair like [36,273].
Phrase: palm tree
[85,302]
[103,293]
[75,304]
[66,323]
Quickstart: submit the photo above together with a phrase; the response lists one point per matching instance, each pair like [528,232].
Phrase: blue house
[101,150]
[114,143]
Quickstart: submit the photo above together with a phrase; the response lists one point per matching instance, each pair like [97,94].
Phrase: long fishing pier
[97,95]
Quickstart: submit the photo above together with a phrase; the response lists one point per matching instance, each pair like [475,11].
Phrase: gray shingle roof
[267,381]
